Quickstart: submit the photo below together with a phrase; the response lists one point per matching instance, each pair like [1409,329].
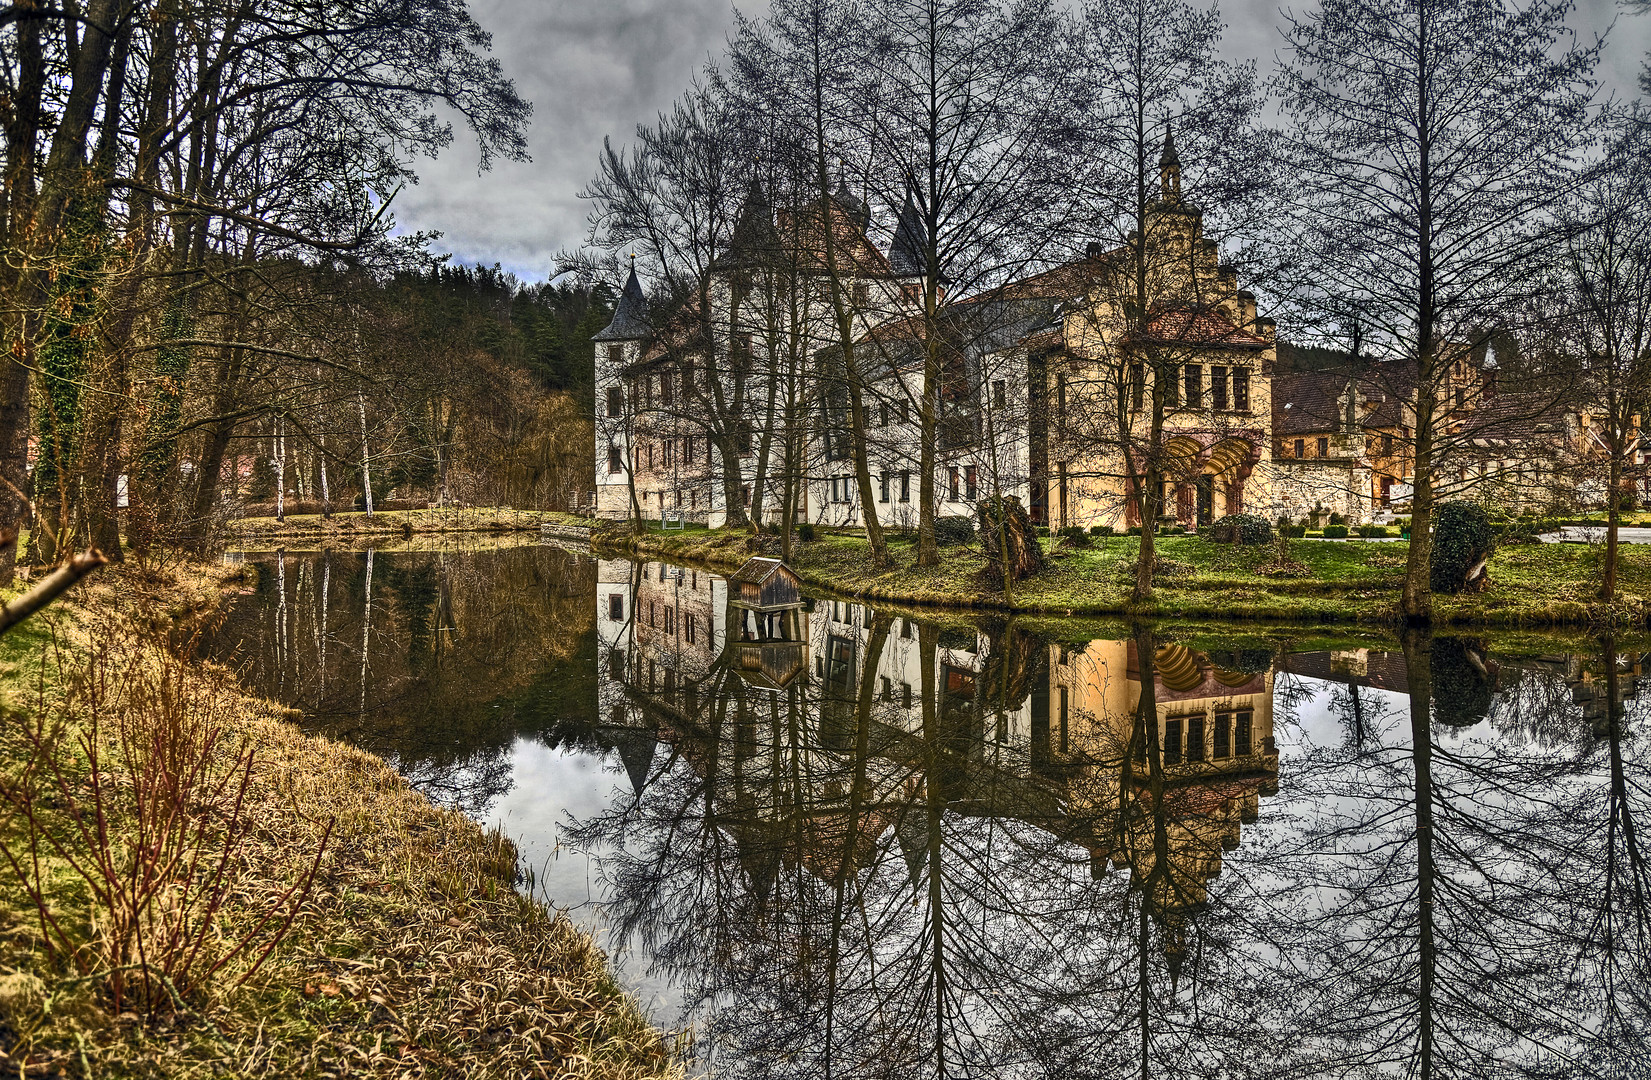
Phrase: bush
[1101,530]
[1372,532]
[1242,529]
[1462,537]
[1075,536]
[1337,519]
[1292,532]
[1133,530]
[954,529]
[805,531]
[1172,530]
[1043,530]
[1335,532]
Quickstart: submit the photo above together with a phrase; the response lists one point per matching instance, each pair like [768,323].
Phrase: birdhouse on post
[772,639]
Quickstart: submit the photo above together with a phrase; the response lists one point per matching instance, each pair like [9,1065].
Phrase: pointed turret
[1169,169]
[854,209]
[630,317]
[906,255]
[755,241]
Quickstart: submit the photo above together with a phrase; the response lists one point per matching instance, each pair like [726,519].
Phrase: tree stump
[1006,527]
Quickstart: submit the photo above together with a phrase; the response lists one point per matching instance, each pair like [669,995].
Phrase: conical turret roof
[856,210]
[755,241]
[630,317]
[906,257]
[1169,159]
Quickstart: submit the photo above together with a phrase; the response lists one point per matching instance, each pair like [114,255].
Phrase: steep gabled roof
[630,317]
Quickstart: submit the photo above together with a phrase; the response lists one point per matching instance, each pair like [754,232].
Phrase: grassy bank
[356,525]
[1343,581]
[320,918]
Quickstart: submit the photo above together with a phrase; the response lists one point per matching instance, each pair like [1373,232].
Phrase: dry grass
[413,955]
[355,525]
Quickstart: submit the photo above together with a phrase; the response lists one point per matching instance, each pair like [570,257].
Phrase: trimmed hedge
[1292,532]
[805,531]
[1076,536]
[1462,536]
[953,529]
[1335,532]
[1242,529]
[1372,532]
[1100,530]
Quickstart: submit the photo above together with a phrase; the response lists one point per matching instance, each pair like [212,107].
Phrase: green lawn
[1346,581]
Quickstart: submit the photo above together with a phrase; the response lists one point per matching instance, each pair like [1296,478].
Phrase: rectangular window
[1172,742]
[616,354]
[745,495]
[1241,389]
[653,616]
[905,695]
[647,391]
[1223,735]
[687,377]
[952,477]
[616,401]
[688,450]
[1241,735]
[1137,384]
[1065,715]
[1324,446]
[885,408]
[862,294]
[616,606]
[667,452]
[1218,387]
[614,462]
[691,628]
[1172,385]
[969,482]
[1060,402]
[1195,739]
[1301,448]
[1195,386]
[616,664]
[1000,394]
[670,620]
[1387,446]
[883,487]
[679,498]
[905,487]
[665,388]
[650,457]
[888,688]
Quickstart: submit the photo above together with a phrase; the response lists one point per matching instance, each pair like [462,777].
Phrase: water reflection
[863,845]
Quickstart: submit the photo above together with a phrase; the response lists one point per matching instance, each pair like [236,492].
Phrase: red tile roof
[1201,328]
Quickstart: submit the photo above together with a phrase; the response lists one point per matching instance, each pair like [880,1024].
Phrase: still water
[836,841]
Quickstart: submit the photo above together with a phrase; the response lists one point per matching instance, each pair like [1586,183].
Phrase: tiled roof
[630,316]
[1210,329]
[1305,402]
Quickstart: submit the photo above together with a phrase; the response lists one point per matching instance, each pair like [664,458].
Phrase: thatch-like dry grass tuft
[411,955]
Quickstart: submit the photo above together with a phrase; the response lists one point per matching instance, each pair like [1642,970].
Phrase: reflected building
[828,722]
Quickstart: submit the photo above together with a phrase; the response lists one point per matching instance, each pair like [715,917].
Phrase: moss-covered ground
[1350,581]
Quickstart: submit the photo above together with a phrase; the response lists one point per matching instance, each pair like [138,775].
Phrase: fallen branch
[52,586]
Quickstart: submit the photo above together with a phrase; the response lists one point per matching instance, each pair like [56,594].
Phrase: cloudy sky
[597,68]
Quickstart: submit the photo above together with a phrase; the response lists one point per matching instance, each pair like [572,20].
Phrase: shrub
[1371,532]
[1101,530]
[1075,536]
[805,531]
[1133,530]
[1335,532]
[1172,530]
[954,529]
[1242,529]
[1292,532]
[1043,530]
[1337,519]
[1462,538]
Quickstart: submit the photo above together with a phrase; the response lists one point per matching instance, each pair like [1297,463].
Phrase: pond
[836,840]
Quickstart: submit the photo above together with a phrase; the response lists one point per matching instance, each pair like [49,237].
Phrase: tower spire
[1169,169]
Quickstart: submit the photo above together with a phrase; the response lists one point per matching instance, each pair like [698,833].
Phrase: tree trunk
[366,460]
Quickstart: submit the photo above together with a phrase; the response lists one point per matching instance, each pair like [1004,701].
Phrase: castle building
[1045,389]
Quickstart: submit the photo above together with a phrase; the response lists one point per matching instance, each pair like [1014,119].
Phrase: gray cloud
[597,68]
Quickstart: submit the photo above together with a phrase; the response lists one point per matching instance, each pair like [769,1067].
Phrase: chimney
[1246,309]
